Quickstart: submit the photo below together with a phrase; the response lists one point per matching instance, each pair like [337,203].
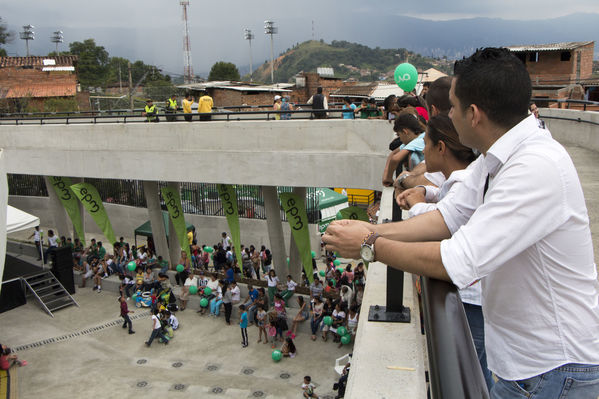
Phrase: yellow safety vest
[150,112]
[172,104]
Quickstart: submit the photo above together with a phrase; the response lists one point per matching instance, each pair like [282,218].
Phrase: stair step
[52,309]
[33,283]
[60,290]
[59,298]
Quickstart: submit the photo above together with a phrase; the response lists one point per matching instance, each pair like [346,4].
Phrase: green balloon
[131,265]
[134,297]
[203,302]
[322,273]
[406,76]
[334,282]
[193,289]
[209,249]
[336,262]
[340,270]
[313,254]
[342,331]
[180,268]
[287,261]
[277,355]
[207,291]
[346,339]
[327,320]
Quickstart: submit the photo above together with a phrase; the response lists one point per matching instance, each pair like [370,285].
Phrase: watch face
[366,253]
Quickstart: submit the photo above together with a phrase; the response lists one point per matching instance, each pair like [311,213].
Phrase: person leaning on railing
[519,225]
[150,111]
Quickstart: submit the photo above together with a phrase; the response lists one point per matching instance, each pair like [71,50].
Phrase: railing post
[394,311]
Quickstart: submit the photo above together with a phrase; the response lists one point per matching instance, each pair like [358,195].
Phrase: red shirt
[124,309]
[4,364]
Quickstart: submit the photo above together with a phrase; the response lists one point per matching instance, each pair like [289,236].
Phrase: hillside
[348,60]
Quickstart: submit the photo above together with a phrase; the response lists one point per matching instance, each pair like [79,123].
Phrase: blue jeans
[314,324]
[570,381]
[476,322]
[215,306]
[157,333]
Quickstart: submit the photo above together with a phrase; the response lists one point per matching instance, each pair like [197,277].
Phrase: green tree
[5,37]
[92,66]
[223,71]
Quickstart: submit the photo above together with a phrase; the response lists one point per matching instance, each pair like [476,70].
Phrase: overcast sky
[151,30]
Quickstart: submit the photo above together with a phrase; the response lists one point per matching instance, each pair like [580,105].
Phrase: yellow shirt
[277,107]
[190,237]
[187,106]
[205,104]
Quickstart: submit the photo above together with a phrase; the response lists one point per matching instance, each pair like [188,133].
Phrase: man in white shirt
[518,224]
[226,240]
[37,240]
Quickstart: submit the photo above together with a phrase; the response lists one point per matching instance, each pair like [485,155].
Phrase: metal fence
[196,198]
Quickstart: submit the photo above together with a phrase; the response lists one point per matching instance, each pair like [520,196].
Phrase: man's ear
[434,110]
[476,115]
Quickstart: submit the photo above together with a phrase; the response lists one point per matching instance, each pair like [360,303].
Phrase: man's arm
[393,161]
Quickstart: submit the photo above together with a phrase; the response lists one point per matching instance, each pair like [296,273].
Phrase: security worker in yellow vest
[150,111]
[171,108]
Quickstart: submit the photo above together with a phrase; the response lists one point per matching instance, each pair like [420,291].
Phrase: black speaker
[62,267]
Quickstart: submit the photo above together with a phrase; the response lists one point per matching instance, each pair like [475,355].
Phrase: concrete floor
[109,363]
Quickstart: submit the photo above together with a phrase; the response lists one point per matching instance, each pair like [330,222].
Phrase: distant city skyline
[152,31]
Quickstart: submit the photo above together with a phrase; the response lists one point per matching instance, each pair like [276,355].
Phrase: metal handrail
[95,119]
[454,368]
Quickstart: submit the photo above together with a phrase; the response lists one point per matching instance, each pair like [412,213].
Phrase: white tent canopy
[17,220]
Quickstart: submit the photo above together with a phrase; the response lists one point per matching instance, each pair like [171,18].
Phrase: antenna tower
[187,68]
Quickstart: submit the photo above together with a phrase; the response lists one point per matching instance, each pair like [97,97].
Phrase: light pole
[27,34]
[248,35]
[56,38]
[270,29]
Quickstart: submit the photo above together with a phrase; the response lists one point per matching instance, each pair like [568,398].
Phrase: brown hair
[440,128]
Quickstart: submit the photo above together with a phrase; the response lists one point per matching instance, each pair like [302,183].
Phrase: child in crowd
[272,332]
[261,323]
[126,284]
[288,348]
[172,320]
[139,279]
[308,388]
[243,324]
[125,314]
[156,329]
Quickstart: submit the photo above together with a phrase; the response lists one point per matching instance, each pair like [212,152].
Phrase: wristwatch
[367,249]
[401,178]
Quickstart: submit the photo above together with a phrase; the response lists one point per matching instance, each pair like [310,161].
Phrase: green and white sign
[295,209]
[228,197]
[62,186]
[172,199]
[90,198]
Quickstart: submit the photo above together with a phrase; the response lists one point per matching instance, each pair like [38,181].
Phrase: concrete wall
[318,153]
[584,135]
[125,219]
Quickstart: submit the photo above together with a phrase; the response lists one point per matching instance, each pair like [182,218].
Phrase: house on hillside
[560,70]
[237,94]
[35,84]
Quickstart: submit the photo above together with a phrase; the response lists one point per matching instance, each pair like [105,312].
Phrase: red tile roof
[48,89]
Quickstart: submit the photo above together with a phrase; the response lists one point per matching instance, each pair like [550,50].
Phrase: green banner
[354,213]
[90,198]
[295,209]
[172,199]
[62,186]
[228,197]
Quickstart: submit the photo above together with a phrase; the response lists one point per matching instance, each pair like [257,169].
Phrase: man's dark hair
[438,95]
[497,82]
[347,100]
[408,121]
[319,90]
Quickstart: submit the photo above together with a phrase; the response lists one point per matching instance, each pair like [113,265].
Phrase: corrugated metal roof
[360,89]
[432,74]
[238,86]
[62,60]
[549,47]
[325,71]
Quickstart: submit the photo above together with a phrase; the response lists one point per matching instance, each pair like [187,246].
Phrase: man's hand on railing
[346,237]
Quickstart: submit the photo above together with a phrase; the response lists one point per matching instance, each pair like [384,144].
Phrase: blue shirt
[253,294]
[349,115]
[416,148]
[244,320]
[230,275]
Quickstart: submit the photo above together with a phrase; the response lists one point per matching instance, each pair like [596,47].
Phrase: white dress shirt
[471,294]
[530,244]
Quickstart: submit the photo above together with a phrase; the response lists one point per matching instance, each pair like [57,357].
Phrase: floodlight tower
[187,68]
[270,29]
[56,38]
[249,36]
[27,34]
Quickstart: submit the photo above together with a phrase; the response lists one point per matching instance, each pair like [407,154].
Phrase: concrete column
[174,247]
[275,230]
[61,226]
[155,216]
[77,180]
[295,261]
